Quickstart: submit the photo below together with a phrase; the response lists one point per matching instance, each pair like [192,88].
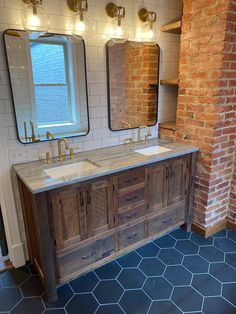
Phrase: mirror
[133,75]
[49,86]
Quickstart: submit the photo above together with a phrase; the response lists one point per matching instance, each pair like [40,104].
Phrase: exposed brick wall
[206,103]
[133,97]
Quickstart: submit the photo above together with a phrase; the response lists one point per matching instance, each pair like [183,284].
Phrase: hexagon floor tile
[179,273]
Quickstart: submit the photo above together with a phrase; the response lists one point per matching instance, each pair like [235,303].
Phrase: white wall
[99,136]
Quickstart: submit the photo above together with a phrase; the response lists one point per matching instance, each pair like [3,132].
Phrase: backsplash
[100,135]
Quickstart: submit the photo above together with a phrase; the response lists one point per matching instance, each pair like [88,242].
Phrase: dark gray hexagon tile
[180,234]
[217,305]
[178,275]
[56,311]
[32,269]
[84,283]
[230,258]
[158,288]
[225,245]
[109,309]
[211,254]
[141,304]
[32,287]
[220,234]
[187,299]
[131,259]
[223,272]
[165,242]
[15,276]
[108,271]
[198,239]
[9,297]
[228,293]
[164,307]
[206,285]
[83,303]
[29,306]
[64,294]
[196,264]
[148,250]
[152,267]
[170,256]
[232,235]
[187,247]
[131,278]
[108,291]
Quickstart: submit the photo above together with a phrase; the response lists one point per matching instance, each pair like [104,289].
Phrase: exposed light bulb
[80,26]
[150,33]
[119,31]
[33,20]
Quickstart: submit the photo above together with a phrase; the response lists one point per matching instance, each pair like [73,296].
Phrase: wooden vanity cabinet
[73,229]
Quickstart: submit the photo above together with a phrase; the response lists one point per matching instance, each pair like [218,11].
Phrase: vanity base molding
[74,229]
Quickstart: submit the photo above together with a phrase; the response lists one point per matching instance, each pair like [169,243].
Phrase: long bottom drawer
[166,220]
[80,258]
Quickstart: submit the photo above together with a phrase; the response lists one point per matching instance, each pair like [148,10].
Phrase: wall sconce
[34,18]
[117,13]
[81,20]
[149,18]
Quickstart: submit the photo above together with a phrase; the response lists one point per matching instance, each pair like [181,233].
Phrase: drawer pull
[133,236]
[131,180]
[105,254]
[131,216]
[171,172]
[81,197]
[88,197]
[167,173]
[133,198]
[88,256]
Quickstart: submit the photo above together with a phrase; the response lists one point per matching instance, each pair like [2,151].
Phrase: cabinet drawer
[85,256]
[131,235]
[166,220]
[132,214]
[131,197]
[130,178]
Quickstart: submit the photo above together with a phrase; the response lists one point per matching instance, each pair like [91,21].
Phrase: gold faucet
[146,136]
[127,123]
[49,134]
[62,140]
[33,137]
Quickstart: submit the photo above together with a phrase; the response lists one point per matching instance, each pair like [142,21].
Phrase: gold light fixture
[81,21]
[34,18]
[117,13]
[149,30]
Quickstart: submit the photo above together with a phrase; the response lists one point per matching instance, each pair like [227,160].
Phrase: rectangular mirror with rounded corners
[133,79]
[49,85]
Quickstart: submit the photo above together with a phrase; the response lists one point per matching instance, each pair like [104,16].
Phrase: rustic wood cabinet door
[158,186]
[178,180]
[68,207]
[99,207]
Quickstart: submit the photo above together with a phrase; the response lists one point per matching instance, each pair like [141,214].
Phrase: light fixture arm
[115,11]
[147,16]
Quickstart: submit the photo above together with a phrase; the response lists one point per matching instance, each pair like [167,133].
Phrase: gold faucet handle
[146,138]
[130,141]
[48,158]
[72,155]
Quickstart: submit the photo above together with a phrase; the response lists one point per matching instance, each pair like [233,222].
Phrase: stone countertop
[108,161]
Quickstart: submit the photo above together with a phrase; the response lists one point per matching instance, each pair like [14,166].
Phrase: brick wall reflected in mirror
[133,75]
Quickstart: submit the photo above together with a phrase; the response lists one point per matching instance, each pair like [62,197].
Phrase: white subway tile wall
[99,136]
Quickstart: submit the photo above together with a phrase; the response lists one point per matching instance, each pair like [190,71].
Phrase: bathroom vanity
[118,199]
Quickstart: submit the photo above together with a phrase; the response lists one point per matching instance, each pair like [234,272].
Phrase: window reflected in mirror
[49,87]
[133,76]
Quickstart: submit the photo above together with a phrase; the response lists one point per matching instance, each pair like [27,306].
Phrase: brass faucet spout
[139,133]
[60,141]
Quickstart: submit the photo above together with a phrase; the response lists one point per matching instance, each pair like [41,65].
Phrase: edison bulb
[35,19]
[80,26]
[119,31]
[150,34]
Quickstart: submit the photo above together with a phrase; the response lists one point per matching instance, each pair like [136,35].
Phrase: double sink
[87,165]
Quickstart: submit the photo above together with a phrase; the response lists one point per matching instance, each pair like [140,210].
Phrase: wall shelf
[173,27]
[170,82]
[170,125]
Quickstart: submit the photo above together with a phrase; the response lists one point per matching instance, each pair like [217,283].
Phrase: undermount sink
[77,168]
[152,150]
